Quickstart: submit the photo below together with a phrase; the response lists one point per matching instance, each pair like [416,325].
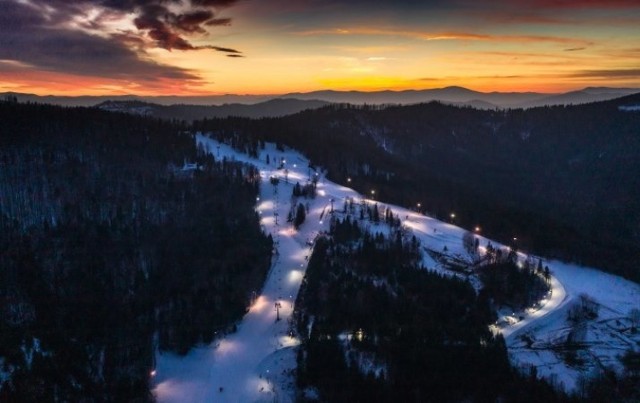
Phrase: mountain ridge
[451,94]
[271,108]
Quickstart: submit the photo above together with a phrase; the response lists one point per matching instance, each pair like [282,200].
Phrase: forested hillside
[376,326]
[560,181]
[181,112]
[109,249]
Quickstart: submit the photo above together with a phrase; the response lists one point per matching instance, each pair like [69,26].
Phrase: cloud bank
[106,38]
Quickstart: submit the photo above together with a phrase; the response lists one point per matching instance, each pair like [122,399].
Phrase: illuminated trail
[253,363]
[256,362]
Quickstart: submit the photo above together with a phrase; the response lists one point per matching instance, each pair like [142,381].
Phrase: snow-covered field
[256,362]
[600,341]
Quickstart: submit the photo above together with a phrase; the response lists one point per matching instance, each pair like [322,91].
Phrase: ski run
[257,362]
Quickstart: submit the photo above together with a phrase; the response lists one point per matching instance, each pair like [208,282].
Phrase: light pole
[373,194]
[278,306]
[453,217]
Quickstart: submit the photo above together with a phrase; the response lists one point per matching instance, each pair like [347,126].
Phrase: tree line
[110,250]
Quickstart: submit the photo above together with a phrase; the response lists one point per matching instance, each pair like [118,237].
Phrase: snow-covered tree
[469,243]
[300,216]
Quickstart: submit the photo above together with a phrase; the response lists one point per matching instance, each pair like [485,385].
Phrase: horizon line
[200,95]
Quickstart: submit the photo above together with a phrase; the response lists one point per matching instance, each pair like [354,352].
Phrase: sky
[211,47]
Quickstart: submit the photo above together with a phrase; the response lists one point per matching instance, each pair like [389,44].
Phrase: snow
[551,302]
[190,166]
[629,108]
[605,338]
[256,363]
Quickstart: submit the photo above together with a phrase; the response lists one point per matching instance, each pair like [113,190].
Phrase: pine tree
[301,215]
[376,213]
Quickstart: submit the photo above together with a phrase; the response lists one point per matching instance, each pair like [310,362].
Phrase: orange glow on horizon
[52,83]
[498,71]
[305,47]
[65,85]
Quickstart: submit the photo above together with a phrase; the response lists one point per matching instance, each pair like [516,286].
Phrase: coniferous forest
[561,179]
[119,238]
[373,328]
[109,250]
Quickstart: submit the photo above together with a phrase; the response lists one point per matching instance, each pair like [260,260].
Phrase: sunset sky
[198,47]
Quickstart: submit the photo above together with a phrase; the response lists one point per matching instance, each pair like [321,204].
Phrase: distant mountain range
[255,106]
[272,108]
[466,97]
[88,100]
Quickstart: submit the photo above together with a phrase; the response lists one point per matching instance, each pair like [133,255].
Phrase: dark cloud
[157,20]
[27,38]
[167,38]
[574,49]
[593,4]
[214,22]
[394,3]
[167,28]
[214,3]
[221,49]
[192,22]
[44,35]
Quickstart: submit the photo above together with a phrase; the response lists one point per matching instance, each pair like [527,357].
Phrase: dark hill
[272,108]
[109,251]
[563,180]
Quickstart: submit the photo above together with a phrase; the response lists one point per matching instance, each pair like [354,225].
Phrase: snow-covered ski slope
[255,363]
